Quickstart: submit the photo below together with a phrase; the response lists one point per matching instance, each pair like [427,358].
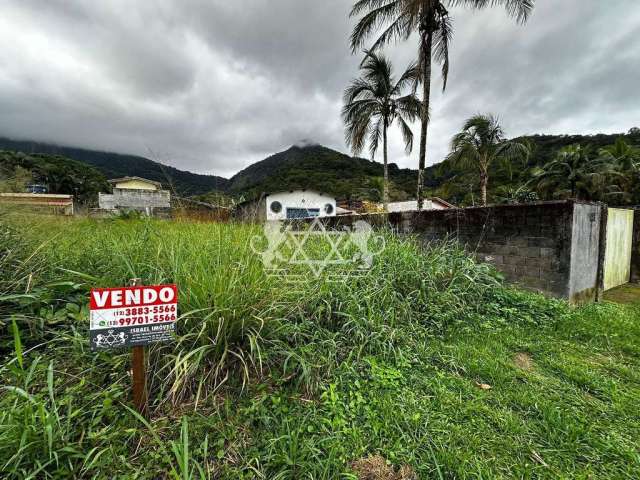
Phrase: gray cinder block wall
[550,247]
[150,202]
[135,199]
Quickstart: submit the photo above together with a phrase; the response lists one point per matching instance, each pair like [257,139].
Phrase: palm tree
[481,143]
[574,173]
[511,194]
[430,20]
[623,163]
[373,102]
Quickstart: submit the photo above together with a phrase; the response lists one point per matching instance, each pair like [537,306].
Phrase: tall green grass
[229,305]
[266,379]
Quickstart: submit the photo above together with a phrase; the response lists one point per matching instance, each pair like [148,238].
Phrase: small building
[135,194]
[287,205]
[433,203]
[59,204]
[135,183]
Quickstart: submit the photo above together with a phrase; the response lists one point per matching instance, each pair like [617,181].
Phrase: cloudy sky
[212,86]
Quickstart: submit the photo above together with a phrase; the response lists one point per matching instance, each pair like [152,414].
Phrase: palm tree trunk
[484,180]
[426,45]
[385,186]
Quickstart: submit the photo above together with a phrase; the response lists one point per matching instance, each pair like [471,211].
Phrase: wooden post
[138,368]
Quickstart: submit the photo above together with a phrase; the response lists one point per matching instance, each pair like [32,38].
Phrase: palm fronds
[373,102]
[482,142]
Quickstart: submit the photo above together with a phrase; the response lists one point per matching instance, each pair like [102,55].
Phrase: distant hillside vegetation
[546,146]
[114,165]
[60,174]
[320,168]
[462,187]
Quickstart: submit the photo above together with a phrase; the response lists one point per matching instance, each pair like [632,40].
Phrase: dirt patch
[629,293]
[523,361]
[375,468]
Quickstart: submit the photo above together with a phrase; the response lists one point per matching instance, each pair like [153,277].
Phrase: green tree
[574,173]
[430,20]
[373,102]
[59,174]
[623,163]
[482,143]
[14,180]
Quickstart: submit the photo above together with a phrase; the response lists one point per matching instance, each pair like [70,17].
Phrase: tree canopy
[59,174]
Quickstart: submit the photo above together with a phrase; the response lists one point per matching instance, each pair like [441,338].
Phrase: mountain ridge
[114,165]
[321,168]
[309,165]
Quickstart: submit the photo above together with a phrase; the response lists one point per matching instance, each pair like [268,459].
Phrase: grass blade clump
[274,378]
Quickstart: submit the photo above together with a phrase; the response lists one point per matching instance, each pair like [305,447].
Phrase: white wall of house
[411,205]
[299,203]
[134,184]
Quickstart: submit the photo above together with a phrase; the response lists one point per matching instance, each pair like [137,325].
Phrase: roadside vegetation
[425,367]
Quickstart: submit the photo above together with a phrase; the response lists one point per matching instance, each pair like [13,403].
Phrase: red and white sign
[129,316]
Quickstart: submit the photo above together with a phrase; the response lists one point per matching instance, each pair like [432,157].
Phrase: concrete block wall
[134,199]
[549,247]
[529,244]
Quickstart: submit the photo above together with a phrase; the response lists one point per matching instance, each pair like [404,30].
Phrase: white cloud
[212,86]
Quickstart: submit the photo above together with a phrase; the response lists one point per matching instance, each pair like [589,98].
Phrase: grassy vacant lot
[426,367]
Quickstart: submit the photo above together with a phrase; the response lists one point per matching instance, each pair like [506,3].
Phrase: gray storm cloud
[212,86]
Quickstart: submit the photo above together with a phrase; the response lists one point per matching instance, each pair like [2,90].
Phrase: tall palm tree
[481,143]
[575,173]
[373,102]
[430,19]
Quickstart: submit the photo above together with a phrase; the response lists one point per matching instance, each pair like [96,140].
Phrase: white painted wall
[136,185]
[411,205]
[299,199]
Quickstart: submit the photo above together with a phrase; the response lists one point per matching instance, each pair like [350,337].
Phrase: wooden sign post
[139,372]
[133,316]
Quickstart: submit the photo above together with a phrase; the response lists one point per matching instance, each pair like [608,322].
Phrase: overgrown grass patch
[414,362]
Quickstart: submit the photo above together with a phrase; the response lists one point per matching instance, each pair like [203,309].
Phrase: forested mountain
[320,168]
[349,177]
[312,167]
[114,165]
